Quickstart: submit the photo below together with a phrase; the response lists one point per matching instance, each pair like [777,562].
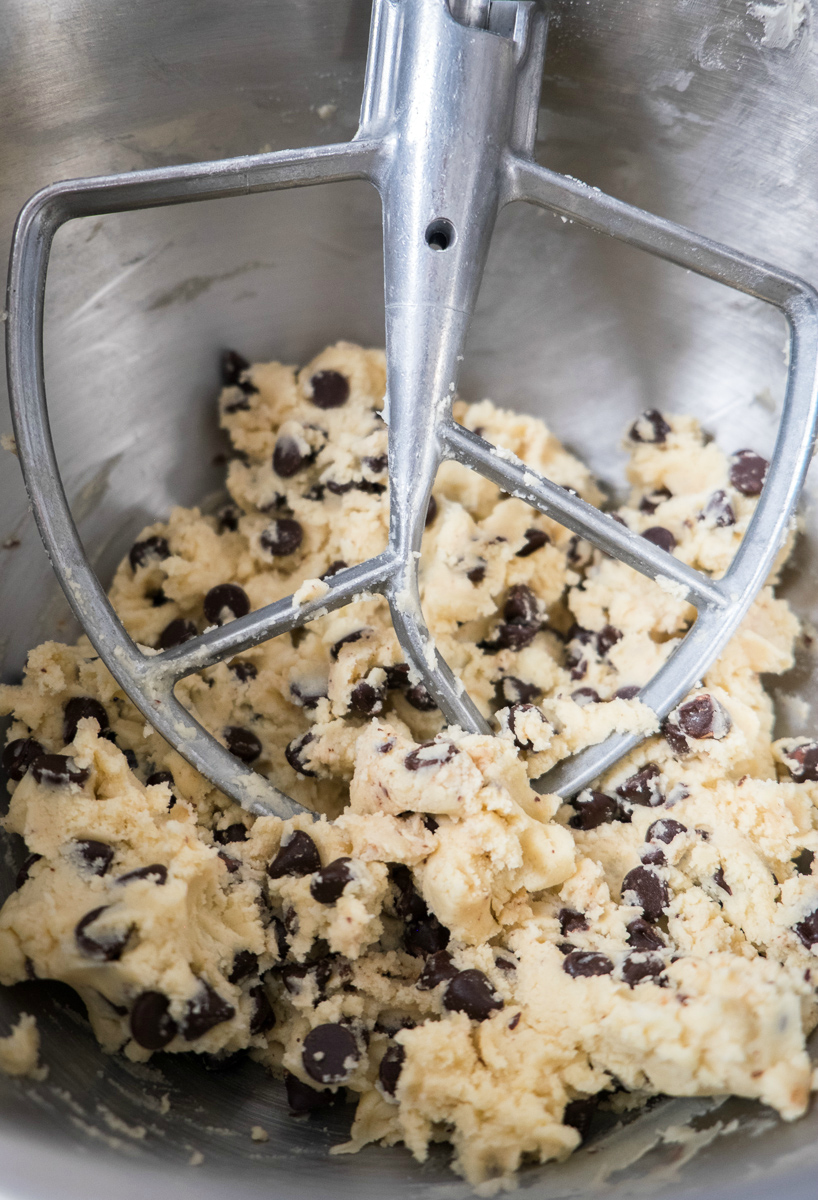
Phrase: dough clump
[464,957]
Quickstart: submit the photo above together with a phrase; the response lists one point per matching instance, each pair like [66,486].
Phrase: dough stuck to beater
[459,955]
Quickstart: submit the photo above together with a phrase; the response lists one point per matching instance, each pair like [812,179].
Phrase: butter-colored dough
[729,997]
[20,1050]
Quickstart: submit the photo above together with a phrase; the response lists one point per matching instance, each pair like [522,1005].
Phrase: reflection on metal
[447,131]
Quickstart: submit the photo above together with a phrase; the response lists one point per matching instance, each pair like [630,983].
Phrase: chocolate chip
[22,874]
[426,936]
[643,787]
[660,537]
[720,881]
[649,504]
[535,539]
[653,856]
[263,1017]
[505,964]
[330,1053]
[704,717]
[366,700]
[308,694]
[431,512]
[224,601]
[409,905]
[288,458]
[640,966]
[303,1099]
[430,754]
[748,471]
[629,692]
[340,489]
[244,671]
[807,929]
[571,921]
[581,964]
[511,690]
[228,518]
[801,762]
[521,606]
[233,365]
[151,549]
[334,568]
[282,945]
[355,636]
[471,993]
[245,963]
[152,1026]
[438,968]
[77,708]
[390,1068]
[131,759]
[158,598]
[802,862]
[719,510]
[327,884]
[430,823]
[664,830]
[397,676]
[19,755]
[586,695]
[420,698]
[243,743]
[204,1011]
[298,856]
[594,809]
[155,872]
[477,574]
[515,716]
[649,892]
[330,389]
[606,639]
[233,833]
[108,945]
[282,537]
[376,465]
[643,936]
[295,975]
[232,864]
[294,754]
[159,777]
[177,633]
[650,427]
[675,738]
[58,770]
[95,857]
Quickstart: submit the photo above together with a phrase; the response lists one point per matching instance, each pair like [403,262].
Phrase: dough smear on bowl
[465,958]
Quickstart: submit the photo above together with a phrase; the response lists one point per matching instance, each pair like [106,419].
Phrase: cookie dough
[463,957]
[20,1050]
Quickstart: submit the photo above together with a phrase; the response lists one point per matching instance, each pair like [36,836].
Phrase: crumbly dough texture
[486,964]
[20,1050]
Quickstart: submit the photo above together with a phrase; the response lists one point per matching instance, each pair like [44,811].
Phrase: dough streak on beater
[447,134]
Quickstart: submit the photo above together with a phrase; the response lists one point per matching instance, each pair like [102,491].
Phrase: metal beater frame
[446,135]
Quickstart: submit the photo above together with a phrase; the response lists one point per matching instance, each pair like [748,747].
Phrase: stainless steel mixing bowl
[702,110]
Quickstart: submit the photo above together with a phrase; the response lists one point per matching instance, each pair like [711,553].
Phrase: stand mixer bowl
[699,110]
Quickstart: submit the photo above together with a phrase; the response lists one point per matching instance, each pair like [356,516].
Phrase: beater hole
[440,234]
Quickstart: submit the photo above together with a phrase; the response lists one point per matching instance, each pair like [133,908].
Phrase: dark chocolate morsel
[308,694]
[355,636]
[244,671]
[107,946]
[23,873]
[224,601]
[651,427]
[720,881]
[675,738]
[76,709]
[288,458]
[293,753]
[470,992]
[438,968]
[58,770]
[298,856]
[228,517]
[571,921]
[521,606]
[204,1011]
[330,389]
[366,700]
[425,936]
[802,862]
[629,692]
[642,936]
[653,856]
[430,754]
[511,690]
[152,1026]
[420,698]
[720,511]
[243,743]
[801,762]
[748,471]
[263,1017]
[177,633]
[330,1053]
[664,830]
[95,857]
[334,568]
[660,537]
[606,639]
[233,833]
[233,365]
[152,548]
[807,929]
[303,1099]
[477,574]
[649,504]
[245,963]
[585,695]
[581,964]
[649,891]
[390,1068]
[19,755]
[640,966]
[535,539]
[703,717]
[231,863]
[643,787]
[281,537]
[328,883]
[156,872]
[515,715]
[159,777]
[594,809]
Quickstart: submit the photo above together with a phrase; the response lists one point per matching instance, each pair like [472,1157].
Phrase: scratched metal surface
[702,110]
